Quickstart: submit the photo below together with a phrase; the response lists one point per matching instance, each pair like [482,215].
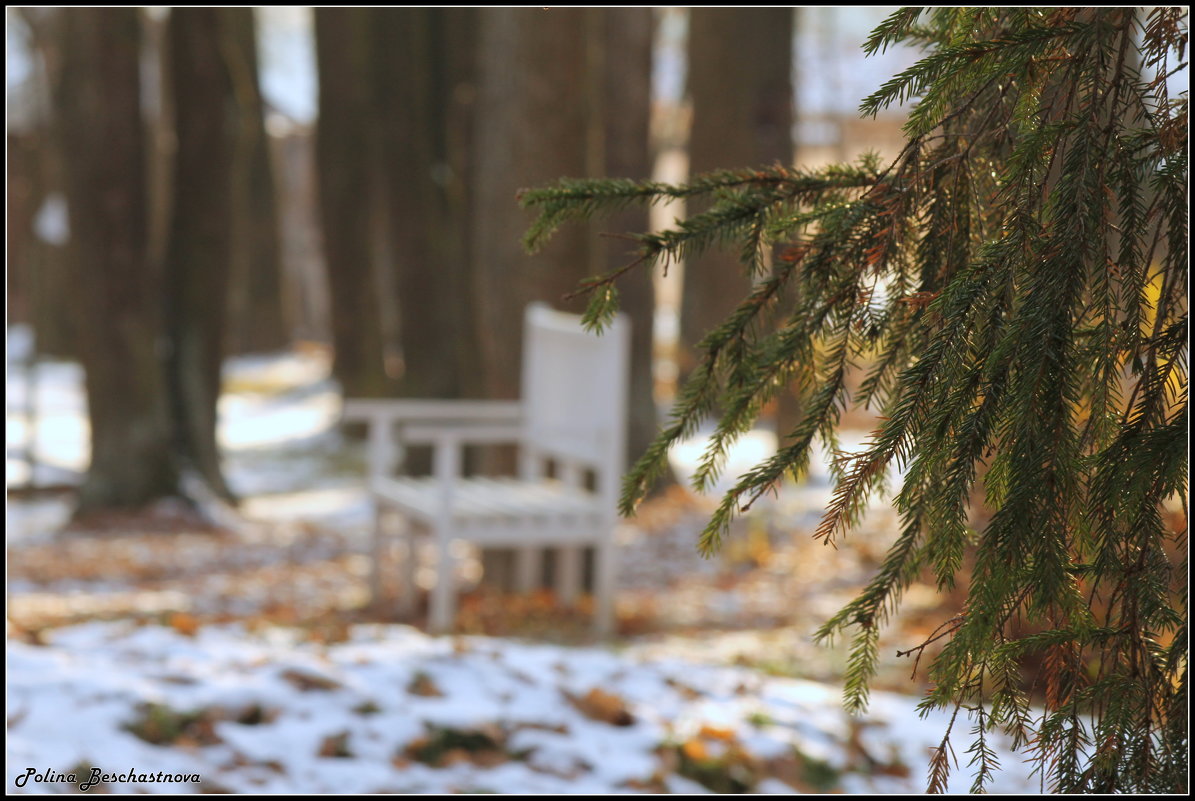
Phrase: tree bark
[740,84]
[423,74]
[200,240]
[256,315]
[344,145]
[533,128]
[49,275]
[25,194]
[117,293]
[624,63]
[158,114]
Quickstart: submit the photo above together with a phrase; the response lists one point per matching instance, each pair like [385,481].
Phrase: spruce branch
[1012,288]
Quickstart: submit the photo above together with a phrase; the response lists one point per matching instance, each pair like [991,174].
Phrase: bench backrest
[574,389]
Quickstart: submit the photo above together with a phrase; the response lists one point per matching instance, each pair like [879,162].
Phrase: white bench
[572,417]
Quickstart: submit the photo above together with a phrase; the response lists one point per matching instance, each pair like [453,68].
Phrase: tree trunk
[306,301]
[343,149]
[533,128]
[624,63]
[257,322]
[422,69]
[158,114]
[25,194]
[50,277]
[117,293]
[457,85]
[200,240]
[742,117]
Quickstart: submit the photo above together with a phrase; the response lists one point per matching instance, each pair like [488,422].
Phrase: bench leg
[528,568]
[443,600]
[378,547]
[569,561]
[410,566]
[604,584]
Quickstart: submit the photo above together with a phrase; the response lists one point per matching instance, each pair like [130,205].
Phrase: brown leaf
[335,746]
[423,686]
[686,692]
[184,624]
[598,704]
[309,681]
[454,756]
[695,750]
[491,758]
[716,733]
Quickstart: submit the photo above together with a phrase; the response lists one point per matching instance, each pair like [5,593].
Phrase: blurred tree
[38,271]
[423,65]
[402,85]
[560,90]
[25,193]
[257,322]
[621,57]
[117,297]
[533,124]
[199,247]
[157,105]
[1014,284]
[152,327]
[345,148]
[742,114]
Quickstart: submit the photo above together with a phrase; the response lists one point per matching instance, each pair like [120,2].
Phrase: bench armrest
[454,433]
[393,422]
[408,410]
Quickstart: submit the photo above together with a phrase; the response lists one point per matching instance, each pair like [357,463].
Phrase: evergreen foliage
[1013,288]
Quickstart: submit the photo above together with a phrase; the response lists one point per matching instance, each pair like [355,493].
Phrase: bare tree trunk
[25,194]
[740,64]
[533,128]
[306,299]
[257,322]
[117,293]
[50,276]
[422,69]
[456,83]
[343,148]
[200,241]
[624,64]
[158,114]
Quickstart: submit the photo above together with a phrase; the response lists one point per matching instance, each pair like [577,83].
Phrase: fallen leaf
[423,686]
[695,750]
[686,692]
[335,746]
[307,682]
[598,704]
[454,756]
[184,624]
[716,733]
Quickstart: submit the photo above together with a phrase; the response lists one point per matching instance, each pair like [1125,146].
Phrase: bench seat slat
[497,499]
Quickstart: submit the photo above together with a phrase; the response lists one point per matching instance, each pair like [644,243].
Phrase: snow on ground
[391,709]
[263,710]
